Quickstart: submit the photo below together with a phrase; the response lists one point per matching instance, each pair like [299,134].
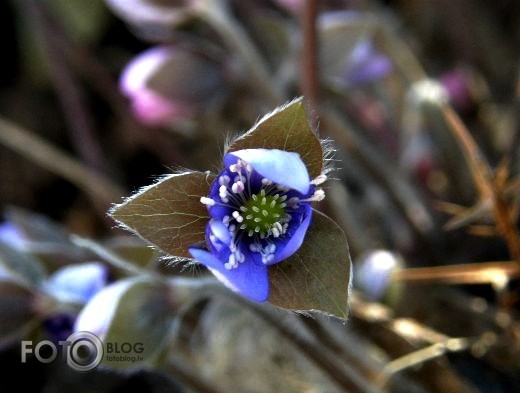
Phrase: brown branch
[99,188]
[71,96]
[485,183]
[469,273]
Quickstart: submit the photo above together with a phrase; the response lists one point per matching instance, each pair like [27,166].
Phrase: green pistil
[261,212]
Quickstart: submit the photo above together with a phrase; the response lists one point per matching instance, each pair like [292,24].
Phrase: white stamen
[258,219]
[224,180]
[222,192]
[256,209]
[265,213]
[207,201]
[237,216]
[237,187]
[267,258]
[319,195]
[319,179]
[266,182]
[277,229]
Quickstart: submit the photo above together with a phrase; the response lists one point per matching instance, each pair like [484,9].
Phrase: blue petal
[295,241]
[280,166]
[13,236]
[248,279]
[78,282]
[221,233]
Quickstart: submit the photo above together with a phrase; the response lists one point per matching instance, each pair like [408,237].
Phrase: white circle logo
[84,351]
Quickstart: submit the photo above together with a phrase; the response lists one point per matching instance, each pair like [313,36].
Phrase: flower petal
[295,241]
[282,167]
[248,279]
[218,239]
[78,282]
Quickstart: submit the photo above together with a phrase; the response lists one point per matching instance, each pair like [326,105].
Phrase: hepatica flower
[253,224]
[260,211]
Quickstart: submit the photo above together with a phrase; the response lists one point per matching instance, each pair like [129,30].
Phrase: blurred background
[420,102]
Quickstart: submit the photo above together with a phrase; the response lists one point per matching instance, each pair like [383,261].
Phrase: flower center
[262,213]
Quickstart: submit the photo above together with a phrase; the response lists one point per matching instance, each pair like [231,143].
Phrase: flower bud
[463,88]
[348,55]
[169,84]
[77,282]
[152,19]
[139,311]
[373,271]
[365,65]
[12,236]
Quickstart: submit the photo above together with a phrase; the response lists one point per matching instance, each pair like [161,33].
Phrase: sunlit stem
[495,273]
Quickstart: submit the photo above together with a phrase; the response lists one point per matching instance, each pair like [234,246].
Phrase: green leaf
[84,20]
[16,311]
[143,319]
[45,239]
[317,276]
[286,128]
[168,213]
[20,266]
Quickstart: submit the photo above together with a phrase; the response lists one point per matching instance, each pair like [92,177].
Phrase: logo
[83,351]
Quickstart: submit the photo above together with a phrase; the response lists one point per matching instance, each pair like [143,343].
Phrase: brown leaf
[317,276]
[168,213]
[286,128]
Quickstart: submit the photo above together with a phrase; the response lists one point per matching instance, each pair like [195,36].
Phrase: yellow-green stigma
[264,215]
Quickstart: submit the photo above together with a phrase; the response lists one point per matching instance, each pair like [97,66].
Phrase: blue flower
[78,283]
[259,208]
[365,64]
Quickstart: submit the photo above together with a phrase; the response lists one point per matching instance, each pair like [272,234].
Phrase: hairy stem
[310,71]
